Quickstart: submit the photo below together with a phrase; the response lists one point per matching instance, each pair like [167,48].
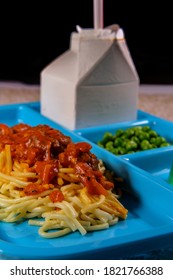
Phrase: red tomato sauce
[45,150]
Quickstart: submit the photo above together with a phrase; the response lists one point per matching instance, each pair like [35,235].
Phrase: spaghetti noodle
[56,184]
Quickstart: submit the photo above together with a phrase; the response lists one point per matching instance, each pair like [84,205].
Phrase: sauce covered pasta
[56,184]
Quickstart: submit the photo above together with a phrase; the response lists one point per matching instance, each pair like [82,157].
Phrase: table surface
[157,100]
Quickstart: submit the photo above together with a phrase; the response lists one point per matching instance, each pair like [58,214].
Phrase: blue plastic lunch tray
[148,230]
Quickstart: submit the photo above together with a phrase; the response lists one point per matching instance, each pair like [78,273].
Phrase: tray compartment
[157,163]
[162,127]
[149,224]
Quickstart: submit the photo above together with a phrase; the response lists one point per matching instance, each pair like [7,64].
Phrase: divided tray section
[163,128]
[149,224]
[157,163]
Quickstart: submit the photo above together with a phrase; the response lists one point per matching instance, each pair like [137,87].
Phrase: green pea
[138,132]
[145,145]
[124,136]
[163,139]
[137,129]
[153,140]
[144,136]
[153,133]
[106,138]
[124,142]
[115,151]
[109,146]
[165,144]
[159,141]
[119,132]
[118,142]
[153,146]
[131,145]
[150,146]
[146,128]
[99,143]
[130,132]
[135,139]
[122,151]
[130,152]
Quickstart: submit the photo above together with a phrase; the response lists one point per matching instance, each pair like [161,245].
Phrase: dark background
[32,34]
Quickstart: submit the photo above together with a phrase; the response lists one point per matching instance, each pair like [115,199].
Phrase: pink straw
[98,14]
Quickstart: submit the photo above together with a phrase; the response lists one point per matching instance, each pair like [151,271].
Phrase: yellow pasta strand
[79,211]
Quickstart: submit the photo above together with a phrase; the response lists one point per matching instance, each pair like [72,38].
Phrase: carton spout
[110,33]
[89,35]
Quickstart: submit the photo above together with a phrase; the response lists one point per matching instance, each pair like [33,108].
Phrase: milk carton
[93,83]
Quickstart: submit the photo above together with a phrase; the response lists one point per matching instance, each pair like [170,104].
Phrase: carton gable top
[94,62]
[115,68]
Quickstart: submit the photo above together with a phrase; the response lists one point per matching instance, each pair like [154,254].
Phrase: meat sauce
[45,150]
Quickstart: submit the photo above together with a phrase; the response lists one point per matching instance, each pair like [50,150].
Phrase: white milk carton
[93,83]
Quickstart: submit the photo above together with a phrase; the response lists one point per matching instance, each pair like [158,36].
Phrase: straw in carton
[98,14]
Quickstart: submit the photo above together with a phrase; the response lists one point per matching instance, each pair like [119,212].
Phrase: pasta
[55,184]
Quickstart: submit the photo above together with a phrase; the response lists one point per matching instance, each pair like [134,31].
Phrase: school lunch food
[55,184]
[131,140]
